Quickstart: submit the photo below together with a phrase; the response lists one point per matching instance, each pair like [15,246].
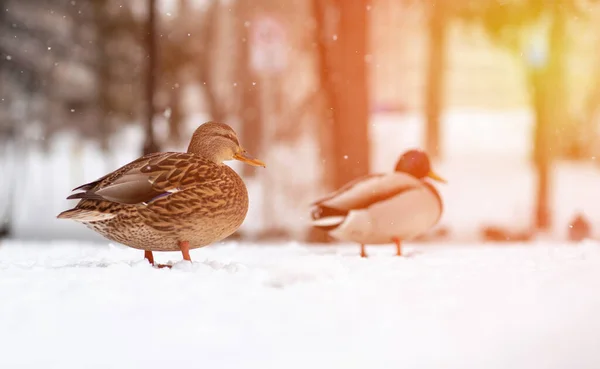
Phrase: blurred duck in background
[383,208]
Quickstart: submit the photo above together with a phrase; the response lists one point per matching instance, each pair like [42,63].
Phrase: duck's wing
[366,191]
[116,173]
[148,178]
[345,188]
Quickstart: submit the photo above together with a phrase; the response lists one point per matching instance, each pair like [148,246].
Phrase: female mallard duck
[170,201]
[382,208]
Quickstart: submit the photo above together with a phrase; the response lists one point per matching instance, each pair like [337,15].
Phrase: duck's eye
[228,136]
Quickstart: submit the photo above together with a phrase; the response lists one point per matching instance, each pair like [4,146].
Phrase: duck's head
[417,164]
[218,142]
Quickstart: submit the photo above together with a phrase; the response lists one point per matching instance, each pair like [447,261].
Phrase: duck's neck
[207,151]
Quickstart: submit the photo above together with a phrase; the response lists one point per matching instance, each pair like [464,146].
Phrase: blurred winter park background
[503,94]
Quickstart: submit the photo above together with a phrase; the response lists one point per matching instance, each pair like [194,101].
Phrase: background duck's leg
[148,256]
[363,254]
[398,246]
[185,250]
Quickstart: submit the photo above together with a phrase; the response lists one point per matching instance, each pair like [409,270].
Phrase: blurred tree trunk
[204,71]
[176,83]
[103,73]
[327,89]
[343,133]
[8,141]
[437,23]
[549,108]
[249,111]
[351,105]
[184,7]
[176,116]
[150,144]
[540,145]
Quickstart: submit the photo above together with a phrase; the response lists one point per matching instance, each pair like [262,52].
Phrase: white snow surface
[243,306]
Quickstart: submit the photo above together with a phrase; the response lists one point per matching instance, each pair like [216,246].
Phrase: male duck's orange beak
[244,157]
[434,176]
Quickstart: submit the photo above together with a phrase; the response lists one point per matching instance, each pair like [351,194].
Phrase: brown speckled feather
[160,199]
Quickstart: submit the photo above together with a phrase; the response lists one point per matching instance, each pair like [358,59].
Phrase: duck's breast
[236,196]
[223,204]
[407,215]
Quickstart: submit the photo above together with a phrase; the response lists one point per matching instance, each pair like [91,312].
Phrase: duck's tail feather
[88,195]
[329,223]
[327,218]
[85,215]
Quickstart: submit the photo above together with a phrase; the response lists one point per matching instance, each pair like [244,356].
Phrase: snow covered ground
[85,305]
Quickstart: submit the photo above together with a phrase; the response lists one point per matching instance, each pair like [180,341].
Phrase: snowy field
[239,306]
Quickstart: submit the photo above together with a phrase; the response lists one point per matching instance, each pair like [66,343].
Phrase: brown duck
[170,201]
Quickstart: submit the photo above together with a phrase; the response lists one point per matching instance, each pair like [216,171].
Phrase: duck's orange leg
[148,256]
[363,254]
[398,246]
[184,246]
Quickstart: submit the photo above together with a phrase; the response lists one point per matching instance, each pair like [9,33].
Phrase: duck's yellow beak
[244,157]
[432,175]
